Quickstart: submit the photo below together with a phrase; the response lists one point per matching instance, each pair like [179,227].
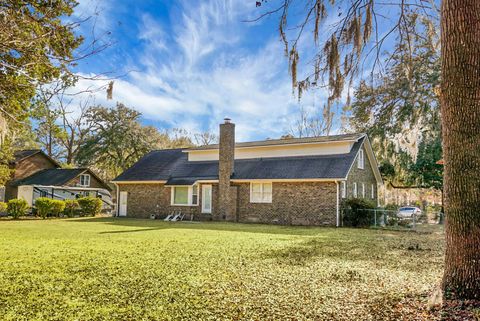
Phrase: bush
[391,207]
[90,206]
[57,208]
[71,206]
[43,206]
[49,207]
[3,207]
[356,214]
[17,207]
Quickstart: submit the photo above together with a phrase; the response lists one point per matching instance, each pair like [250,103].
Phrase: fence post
[414,223]
[375,216]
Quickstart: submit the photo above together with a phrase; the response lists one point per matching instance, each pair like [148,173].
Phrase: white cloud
[199,73]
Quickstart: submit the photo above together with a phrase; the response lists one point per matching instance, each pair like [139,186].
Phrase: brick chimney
[225,169]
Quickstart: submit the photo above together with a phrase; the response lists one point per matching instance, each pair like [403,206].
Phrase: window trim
[361,159]
[355,191]
[80,180]
[363,190]
[262,192]
[189,196]
[343,189]
[373,192]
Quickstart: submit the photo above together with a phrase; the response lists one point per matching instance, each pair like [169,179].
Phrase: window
[354,189]
[363,190]
[361,159]
[344,189]
[260,192]
[85,180]
[184,195]
[373,191]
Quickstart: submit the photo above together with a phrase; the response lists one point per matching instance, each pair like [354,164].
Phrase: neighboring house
[300,181]
[38,175]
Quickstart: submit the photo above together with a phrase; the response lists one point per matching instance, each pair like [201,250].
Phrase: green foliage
[71,207]
[400,110]
[17,207]
[57,208]
[3,207]
[49,207]
[153,270]
[43,206]
[90,206]
[37,47]
[391,207]
[118,140]
[356,212]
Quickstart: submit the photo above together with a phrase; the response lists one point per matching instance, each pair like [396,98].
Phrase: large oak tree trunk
[460,106]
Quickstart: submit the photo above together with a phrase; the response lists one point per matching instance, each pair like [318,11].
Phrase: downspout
[338,203]
[117,201]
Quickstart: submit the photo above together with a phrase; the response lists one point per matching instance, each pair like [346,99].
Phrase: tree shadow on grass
[150,225]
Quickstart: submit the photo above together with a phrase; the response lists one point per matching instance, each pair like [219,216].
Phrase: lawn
[125,269]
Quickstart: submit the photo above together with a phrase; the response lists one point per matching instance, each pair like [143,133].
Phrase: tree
[205,138]
[461,140]
[40,44]
[340,58]
[307,125]
[117,140]
[37,46]
[400,109]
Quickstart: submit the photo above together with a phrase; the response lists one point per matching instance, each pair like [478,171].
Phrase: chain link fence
[385,219]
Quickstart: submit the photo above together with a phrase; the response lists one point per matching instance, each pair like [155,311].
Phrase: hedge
[90,206]
[355,213]
[17,207]
[44,206]
[3,207]
[71,207]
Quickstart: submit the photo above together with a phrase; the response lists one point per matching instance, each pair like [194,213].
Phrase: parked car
[408,212]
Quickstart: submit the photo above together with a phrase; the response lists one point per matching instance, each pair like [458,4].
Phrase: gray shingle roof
[51,177]
[21,154]
[173,166]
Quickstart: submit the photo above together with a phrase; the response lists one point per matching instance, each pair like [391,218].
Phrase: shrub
[391,207]
[44,206]
[17,207]
[71,206]
[90,206]
[356,214]
[3,207]
[57,208]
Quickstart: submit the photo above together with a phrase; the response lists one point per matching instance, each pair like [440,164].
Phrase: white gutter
[117,204]
[338,203]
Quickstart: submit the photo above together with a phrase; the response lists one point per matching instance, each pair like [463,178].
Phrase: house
[38,175]
[299,181]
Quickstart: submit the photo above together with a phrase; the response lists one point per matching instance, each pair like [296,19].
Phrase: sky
[188,64]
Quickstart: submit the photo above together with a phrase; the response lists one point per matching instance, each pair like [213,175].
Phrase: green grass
[124,269]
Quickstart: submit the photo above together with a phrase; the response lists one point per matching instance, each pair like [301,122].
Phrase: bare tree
[306,125]
[205,138]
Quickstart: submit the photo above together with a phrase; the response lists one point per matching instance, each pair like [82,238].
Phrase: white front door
[206,198]
[122,207]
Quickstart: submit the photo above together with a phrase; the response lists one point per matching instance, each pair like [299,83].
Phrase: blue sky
[188,64]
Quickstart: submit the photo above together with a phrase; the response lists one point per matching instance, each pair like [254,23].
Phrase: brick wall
[292,203]
[360,176]
[302,203]
[146,199]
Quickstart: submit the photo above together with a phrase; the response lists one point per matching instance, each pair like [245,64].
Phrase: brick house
[299,181]
[35,174]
